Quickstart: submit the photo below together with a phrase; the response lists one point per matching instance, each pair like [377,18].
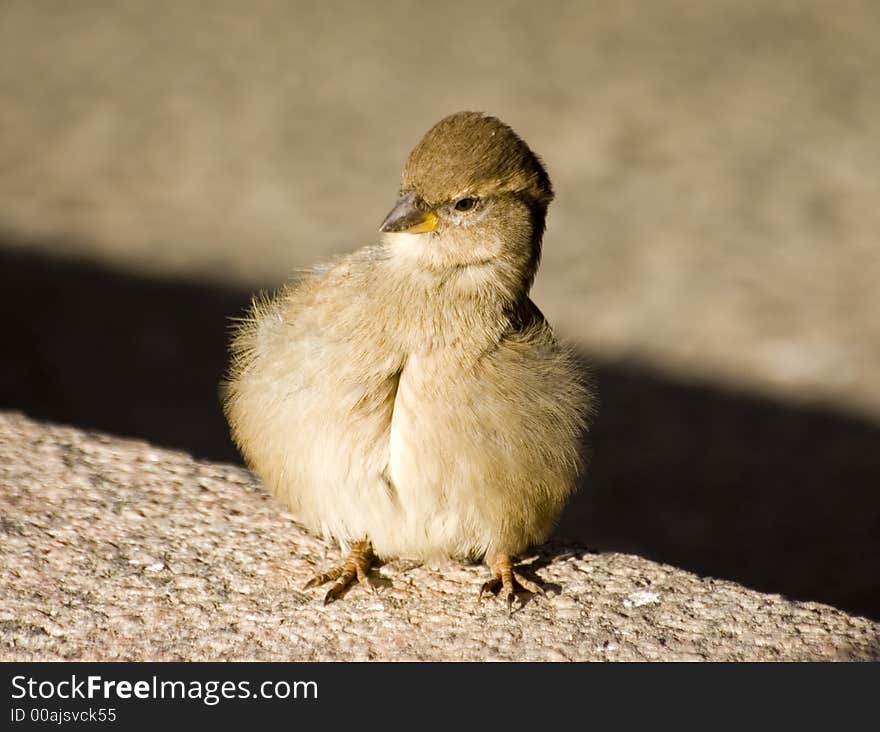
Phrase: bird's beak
[409,216]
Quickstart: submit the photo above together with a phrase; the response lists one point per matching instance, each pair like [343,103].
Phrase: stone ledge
[116,550]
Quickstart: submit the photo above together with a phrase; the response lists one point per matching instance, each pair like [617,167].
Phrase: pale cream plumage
[410,398]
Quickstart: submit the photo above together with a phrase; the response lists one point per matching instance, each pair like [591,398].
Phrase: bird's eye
[465,204]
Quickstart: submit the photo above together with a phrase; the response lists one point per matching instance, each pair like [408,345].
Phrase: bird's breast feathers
[445,449]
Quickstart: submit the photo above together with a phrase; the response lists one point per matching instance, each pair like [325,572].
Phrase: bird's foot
[506,579]
[355,567]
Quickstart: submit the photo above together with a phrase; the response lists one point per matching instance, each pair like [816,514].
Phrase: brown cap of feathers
[475,154]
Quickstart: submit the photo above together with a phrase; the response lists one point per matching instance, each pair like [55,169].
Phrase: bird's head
[473,199]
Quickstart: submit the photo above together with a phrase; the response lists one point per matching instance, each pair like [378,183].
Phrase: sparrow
[409,400]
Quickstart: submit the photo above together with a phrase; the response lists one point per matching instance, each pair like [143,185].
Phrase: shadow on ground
[779,497]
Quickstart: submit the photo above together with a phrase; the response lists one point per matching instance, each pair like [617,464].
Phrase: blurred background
[712,252]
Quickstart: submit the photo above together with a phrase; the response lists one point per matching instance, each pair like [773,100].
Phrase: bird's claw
[353,569]
[505,578]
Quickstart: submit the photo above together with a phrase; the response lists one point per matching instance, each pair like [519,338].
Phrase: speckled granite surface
[116,550]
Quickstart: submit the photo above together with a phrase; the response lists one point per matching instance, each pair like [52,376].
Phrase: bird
[409,400]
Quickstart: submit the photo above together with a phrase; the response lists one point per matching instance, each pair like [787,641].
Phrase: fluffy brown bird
[410,400]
